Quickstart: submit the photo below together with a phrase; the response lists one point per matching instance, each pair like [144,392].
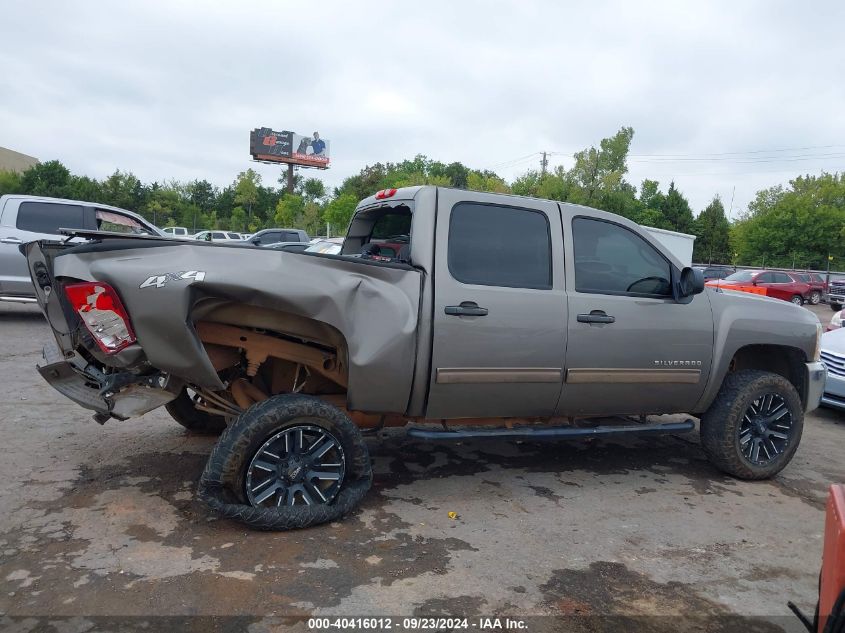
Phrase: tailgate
[39,257]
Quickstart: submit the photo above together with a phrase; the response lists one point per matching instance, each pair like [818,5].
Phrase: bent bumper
[72,378]
[814,379]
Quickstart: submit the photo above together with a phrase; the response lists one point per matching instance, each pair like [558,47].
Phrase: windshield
[742,275]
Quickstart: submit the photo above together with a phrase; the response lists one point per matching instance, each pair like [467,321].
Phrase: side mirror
[691,282]
[754,282]
[255,240]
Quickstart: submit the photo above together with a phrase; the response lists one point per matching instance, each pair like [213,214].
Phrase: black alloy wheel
[300,465]
[765,430]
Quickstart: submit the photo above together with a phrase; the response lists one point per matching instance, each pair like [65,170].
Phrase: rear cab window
[381,233]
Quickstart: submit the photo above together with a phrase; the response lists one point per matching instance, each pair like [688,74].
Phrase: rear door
[499,307]
[26,221]
[779,285]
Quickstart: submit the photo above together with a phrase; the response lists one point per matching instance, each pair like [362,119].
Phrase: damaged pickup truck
[459,314]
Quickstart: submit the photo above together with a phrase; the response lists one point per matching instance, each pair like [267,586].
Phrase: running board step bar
[554,432]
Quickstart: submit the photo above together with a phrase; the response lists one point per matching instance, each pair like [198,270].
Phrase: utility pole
[290,178]
[733,193]
[544,163]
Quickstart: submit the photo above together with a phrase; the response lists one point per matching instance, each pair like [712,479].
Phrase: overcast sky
[172,89]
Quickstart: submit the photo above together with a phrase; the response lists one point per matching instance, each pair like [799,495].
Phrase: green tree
[602,170]
[675,208]
[46,179]
[118,190]
[799,225]
[314,189]
[246,190]
[289,211]
[712,230]
[10,182]
[339,211]
[238,220]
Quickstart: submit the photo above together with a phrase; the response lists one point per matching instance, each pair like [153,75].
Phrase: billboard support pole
[290,178]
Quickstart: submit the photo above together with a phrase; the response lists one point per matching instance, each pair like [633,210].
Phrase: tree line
[798,225]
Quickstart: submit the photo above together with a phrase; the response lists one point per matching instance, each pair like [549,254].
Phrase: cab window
[46,217]
[611,259]
[493,245]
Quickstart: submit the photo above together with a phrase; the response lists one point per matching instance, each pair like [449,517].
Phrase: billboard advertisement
[268,145]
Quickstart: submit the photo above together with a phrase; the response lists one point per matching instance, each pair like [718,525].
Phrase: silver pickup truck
[455,313]
[27,218]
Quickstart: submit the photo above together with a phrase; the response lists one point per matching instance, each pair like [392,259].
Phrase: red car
[818,286]
[772,283]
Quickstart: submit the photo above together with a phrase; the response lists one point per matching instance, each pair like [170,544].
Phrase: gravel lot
[101,521]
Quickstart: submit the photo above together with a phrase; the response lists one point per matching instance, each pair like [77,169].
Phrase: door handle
[467,308]
[10,240]
[596,316]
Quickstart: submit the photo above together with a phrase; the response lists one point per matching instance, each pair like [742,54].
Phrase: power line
[752,151]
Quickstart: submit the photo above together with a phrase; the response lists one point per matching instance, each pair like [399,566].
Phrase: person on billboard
[318,145]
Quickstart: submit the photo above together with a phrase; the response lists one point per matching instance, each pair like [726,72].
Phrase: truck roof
[48,199]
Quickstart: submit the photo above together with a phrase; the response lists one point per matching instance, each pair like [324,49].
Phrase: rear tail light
[103,314]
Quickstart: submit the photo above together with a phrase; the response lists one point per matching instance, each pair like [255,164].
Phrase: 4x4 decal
[159,281]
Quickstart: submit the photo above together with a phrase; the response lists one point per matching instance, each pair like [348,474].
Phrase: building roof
[15,161]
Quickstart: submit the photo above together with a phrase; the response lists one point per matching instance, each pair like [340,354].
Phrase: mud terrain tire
[183,411]
[222,485]
[721,425]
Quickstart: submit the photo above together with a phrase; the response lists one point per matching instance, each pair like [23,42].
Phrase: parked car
[326,247]
[833,357]
[716,272]
[291,247]
[274,236]
[818,287]
[218,236]
[473,335]
[772,283]
[27,218]
[836,294]
[177,231]
[835,322]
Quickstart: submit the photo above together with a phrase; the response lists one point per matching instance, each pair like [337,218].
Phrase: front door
[499,307]
[632,348]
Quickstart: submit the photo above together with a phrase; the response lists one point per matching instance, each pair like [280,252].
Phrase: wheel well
[778,359]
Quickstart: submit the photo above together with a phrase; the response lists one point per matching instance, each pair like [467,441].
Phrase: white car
[833,357]
[835,321]
[218,236]
[179,232]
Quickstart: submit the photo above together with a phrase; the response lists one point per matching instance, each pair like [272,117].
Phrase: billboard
[268,145]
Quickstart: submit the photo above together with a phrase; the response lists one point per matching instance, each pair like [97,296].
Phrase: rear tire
[264,449]
[797,300]
[815,297]
[182,410]
[736,421]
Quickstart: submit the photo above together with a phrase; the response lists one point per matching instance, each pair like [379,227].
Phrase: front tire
[291,461]
[182,410]
[754,426]
[797,300]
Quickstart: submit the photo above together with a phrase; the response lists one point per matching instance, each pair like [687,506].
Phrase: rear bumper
[814,377]
[128,397]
